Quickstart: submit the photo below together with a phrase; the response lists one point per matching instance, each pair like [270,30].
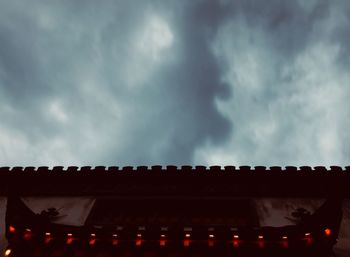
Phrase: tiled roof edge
[172,168]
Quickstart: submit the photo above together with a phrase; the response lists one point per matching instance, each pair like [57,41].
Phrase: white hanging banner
[62,210]
[277,212]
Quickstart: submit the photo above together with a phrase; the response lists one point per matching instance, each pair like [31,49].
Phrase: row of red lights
[163,241]
[139,240]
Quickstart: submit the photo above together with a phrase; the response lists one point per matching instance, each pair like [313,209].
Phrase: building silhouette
[168,211]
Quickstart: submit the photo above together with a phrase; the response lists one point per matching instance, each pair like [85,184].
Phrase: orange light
[187,235]
[308,238]
[8,252]
[138,242]
[261,244]
[187,242]
[211,240]
[27,234]
[48,237]
[235,241]
[285,242]
[327,232]
[92,239]
[69,238]
[115,240]
[162,242]
[12,229]
[139,235]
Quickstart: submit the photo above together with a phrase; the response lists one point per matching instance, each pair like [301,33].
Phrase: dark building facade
[171,211]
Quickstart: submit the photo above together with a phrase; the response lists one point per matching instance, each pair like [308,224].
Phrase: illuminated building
[171,210]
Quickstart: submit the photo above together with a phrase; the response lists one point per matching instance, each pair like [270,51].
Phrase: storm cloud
[174,82]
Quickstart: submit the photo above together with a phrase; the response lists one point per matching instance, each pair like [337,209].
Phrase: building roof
[203,202]
[256,181]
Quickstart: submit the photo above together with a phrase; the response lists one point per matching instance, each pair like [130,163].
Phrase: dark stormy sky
[174,82]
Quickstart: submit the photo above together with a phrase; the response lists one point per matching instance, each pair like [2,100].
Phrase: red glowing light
[12,229]
[308,238]
[48,237]
[27,234]
[162,242]
[70,239]
[327,232]
[115,240]
[92,239]
[236,240]
[261,244]
[138,242]
[187,242]
[285,242]
[211,243]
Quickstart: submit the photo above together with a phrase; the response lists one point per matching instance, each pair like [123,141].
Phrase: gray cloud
[290,90]
[123,83]
[176,82]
